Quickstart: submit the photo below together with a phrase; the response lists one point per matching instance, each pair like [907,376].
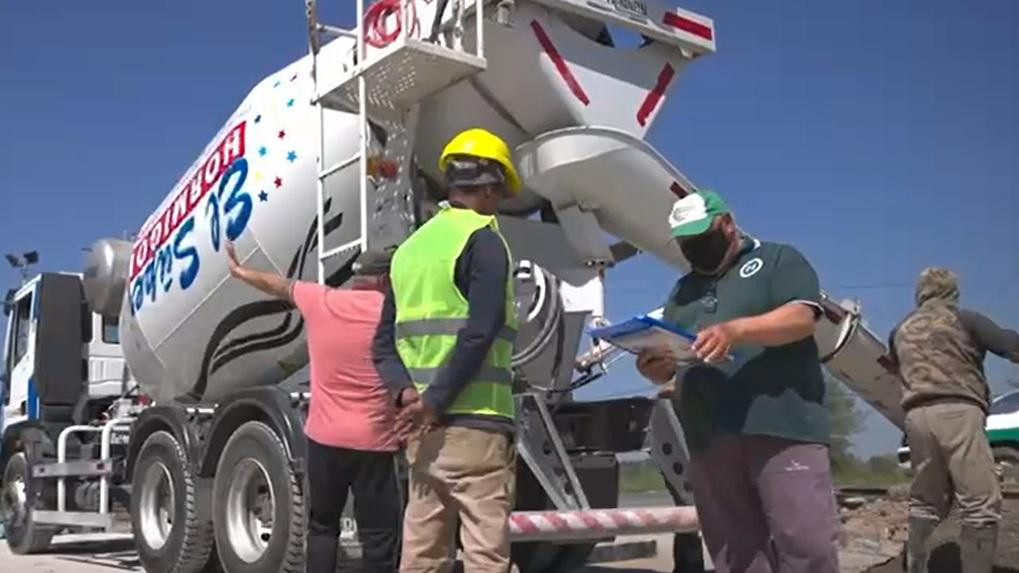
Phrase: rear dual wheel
[169,533]
[258,504]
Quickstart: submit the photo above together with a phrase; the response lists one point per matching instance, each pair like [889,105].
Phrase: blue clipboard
[648,333]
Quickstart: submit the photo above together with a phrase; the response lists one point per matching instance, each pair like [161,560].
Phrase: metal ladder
[382,85]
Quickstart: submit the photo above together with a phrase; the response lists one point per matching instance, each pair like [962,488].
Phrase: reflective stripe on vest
[447,326]
[425,376]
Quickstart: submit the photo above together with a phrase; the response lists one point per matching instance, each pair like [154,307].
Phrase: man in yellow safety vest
[443,347]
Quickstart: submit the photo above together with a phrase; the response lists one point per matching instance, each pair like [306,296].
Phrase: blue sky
[877,137]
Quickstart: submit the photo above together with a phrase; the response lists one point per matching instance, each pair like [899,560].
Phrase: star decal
[277,182]
[262,151]
[281,134]
[290,102]
[292,156]
[263,196]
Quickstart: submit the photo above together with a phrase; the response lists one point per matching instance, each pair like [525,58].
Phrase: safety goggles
[474,172]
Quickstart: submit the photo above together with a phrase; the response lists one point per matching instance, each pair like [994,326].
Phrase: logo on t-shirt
[751,267]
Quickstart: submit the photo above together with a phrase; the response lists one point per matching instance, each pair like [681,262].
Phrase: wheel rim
[250,506]
[156,506]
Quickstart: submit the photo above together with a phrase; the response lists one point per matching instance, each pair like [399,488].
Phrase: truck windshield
[22,322]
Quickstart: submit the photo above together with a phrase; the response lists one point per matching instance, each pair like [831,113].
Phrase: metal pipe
[104,455]
[320,187]
[362,96]
[479,24]
[337,31]
[62,457]
[600,523]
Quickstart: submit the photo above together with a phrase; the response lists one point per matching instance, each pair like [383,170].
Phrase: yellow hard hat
[478,142]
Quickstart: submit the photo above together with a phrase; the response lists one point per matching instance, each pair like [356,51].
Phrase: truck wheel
[24,536]
[170,535]
[1006,461]
[258,505]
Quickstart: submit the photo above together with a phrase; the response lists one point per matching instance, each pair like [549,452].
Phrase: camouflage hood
[937,284]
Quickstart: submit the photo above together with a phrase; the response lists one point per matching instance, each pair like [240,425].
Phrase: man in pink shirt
[351,442]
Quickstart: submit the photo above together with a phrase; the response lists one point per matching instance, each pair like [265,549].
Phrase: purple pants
[766,505]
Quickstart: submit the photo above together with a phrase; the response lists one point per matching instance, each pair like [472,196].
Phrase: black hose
[440,8]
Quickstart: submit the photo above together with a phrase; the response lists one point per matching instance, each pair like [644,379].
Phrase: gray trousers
[766,505]
[949,453]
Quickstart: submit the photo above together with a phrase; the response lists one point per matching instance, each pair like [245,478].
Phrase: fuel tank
[190,331]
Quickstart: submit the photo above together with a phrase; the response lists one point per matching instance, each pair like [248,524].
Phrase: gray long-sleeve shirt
[481,275]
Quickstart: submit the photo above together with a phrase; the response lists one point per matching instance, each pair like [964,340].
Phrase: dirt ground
[878,530]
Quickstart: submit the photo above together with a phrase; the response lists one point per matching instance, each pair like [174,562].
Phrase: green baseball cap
[694,214]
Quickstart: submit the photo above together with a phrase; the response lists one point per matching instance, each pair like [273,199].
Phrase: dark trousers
[766,505]
[332,472]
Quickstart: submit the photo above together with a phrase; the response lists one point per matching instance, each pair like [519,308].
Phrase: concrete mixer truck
[155,386]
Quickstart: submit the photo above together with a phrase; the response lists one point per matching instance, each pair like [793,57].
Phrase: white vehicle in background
[1002,432]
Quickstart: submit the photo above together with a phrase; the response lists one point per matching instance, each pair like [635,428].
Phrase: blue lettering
[187,276]
[236,207]
[238,202]
[164,266]
[149,277]
[137,295]
[212,210]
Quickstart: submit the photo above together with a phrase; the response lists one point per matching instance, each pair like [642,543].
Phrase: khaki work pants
[459,474]
[950,454]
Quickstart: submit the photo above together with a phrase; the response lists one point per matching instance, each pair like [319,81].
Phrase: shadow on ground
[117,554]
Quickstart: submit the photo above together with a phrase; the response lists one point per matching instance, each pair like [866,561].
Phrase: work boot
[976,547]
[917,551]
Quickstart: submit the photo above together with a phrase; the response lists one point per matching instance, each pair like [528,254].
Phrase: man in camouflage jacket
[940,349]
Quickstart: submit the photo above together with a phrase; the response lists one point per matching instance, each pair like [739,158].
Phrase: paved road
[101,553]
[110,554]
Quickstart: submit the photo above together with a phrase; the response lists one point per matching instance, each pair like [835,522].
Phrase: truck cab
[48,326]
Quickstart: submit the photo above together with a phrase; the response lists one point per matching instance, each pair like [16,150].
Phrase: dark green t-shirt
[772,391]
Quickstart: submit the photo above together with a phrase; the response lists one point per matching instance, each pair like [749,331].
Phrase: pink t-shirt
[349,406]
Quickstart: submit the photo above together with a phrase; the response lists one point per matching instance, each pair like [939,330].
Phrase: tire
[255,483]
[17,500]
[169,533]
[1006,461]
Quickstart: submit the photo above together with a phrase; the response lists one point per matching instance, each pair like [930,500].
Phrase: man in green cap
[752,405]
